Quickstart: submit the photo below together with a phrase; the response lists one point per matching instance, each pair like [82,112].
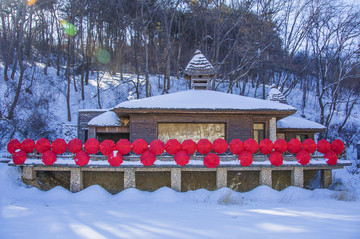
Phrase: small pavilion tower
[199,71]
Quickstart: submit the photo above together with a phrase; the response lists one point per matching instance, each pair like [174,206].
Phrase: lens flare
[31,2]
[69,28]
[102,56]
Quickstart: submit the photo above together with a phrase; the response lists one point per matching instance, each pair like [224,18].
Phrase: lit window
[302,137]
[259,131]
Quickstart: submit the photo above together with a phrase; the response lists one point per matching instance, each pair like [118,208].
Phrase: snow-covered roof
[292,122]
[199,65]
[109,118]
[204,99]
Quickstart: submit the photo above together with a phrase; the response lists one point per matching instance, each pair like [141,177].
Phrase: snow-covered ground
[27,212]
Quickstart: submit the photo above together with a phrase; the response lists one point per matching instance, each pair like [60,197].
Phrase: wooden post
[326,177]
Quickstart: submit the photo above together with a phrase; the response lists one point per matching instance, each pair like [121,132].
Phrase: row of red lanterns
[181,152]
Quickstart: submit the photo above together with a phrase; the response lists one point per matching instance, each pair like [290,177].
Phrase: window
[86,131]
[302,137]
[280,136]
[259,131]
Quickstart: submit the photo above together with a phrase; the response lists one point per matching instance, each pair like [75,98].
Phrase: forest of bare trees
[311,44]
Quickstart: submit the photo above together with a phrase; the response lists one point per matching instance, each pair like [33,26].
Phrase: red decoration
[19,157]
[182,158]
[92,146]
[13,145]
[28,145]
[204,146]
[276,158]
[107,147]
[251,145]
[211,161]
[139,146]
[75,145]
[59,146]
[303,157]
[148,158]
[123,146]
[280,146]
[309,145]
[337,146]
[220,146]
[266,146]
[42,145]
[189,146]
[323,146]
[49,157]
[236,146]
[115,160]
[245,158]
[172,146]
[332,157]
[294,146]
[157,147]
[82,158]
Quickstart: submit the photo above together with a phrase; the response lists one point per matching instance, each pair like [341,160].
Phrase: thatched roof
[199,65]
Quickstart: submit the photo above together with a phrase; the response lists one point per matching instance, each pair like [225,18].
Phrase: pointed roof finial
[199,65]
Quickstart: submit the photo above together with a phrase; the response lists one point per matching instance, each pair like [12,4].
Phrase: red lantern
[42,145]
[251,145]
[107,147]
[266,146]
[92,146]
[204,146]
[189,146]
[323,146]
[332,157]
[172,146]
[13,145]
[148,158]
[276,158]
[309,145]
[157,147]
[82,158]
[280,146]
[28,145]
[220,146]
[115,160]
[211,161]
[245,158]
[303,157]
[337,146]
[236,146]
[182,158]
[75,145]
[294,146]
[19,157]
[139,146]
[59,146]
[49,157]
[123,146]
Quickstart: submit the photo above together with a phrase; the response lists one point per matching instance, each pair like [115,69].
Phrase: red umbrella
[42,145]
[28,145]
[245,158]
[123,146]
[323,146]
[13,145]
[220,146]
[189,146]
[251,145]
[115,160]
[211,161]
[309,145]
[75,145]
[107,147]
[337,146]
[204,146]
[280,146]
[59,146]
[49,157]
[19,157]
[332,157]
[82,158]
[147,158]
[172,146]
[276,158]
[182,158]
[139,146]
[294,146]
[157,147]
[236,146]
[266,146]
[303,157]
[92,146]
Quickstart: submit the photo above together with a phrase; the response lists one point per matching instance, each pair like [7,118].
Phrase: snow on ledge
[109,118]
[292,122]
